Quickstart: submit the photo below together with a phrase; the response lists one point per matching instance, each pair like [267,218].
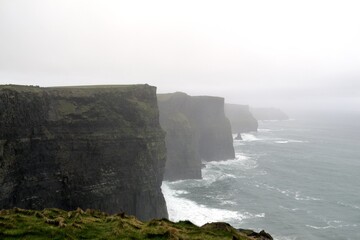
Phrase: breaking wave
[180,208]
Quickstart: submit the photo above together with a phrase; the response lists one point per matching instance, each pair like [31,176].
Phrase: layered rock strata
[95,147]
[197,130]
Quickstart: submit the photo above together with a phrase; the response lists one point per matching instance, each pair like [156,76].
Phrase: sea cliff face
[241,118]
[197,130]
[95,147]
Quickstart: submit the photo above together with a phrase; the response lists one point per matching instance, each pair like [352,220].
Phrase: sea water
[297,179]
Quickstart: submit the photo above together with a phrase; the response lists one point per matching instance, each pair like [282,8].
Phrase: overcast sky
[281,53]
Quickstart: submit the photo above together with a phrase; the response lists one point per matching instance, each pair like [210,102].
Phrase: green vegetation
[92,224]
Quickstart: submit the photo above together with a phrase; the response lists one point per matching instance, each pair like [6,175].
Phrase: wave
[353,206]
[241,161]
[289,141]
[238,143]
[210,176]
[289,193]
[290,209]
[332,224]
[305,198]
[248,137]
[228,202]
[315,227]
[184,209]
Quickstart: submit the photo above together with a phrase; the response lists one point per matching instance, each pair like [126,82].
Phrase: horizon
[288,55]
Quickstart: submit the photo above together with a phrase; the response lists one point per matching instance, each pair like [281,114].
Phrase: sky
[269,53]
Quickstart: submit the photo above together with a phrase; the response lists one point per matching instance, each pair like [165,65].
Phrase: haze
[287,54]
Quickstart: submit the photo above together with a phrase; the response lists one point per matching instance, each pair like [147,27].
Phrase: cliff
[240,118]
[95,147]
[197,130]
[268,114]
[92,224]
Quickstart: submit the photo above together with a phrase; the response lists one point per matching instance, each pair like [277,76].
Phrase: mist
[287,54]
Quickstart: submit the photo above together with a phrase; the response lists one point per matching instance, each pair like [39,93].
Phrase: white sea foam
[240,161]
[238,143]
[289,193]
[248,137]
[185,209]
[210,176]
[238,158]
[349,205]
[228,202]
[290,209]
[289,141]
[332,224]
[305,198]
[180,192]
[316,227]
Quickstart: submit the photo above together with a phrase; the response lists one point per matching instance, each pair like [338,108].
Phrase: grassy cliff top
[167,96]
[21,88]
[139,90]
[92,224]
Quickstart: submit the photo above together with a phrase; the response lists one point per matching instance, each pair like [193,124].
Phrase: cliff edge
[93,224]
[197,130]
[95,147]
[240,118]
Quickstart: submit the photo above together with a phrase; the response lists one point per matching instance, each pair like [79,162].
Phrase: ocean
[296,179]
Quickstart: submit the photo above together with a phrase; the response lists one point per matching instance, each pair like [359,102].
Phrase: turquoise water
[297,179]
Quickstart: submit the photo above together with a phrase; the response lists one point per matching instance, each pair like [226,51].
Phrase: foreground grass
[92,224]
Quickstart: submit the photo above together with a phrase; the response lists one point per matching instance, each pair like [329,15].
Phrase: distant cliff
[197,130]
[95,147]
[240,118]
[268,114]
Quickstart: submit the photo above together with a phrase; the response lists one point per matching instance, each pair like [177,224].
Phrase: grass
[92,224]
[84,90]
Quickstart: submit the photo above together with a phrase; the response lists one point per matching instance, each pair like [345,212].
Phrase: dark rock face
[262,235]
[197,130]
[240,118]
[90,147]
[268,114]
[238,137]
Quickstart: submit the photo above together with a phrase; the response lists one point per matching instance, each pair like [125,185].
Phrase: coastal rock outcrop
[97,147]
[197,130]
[241,118]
